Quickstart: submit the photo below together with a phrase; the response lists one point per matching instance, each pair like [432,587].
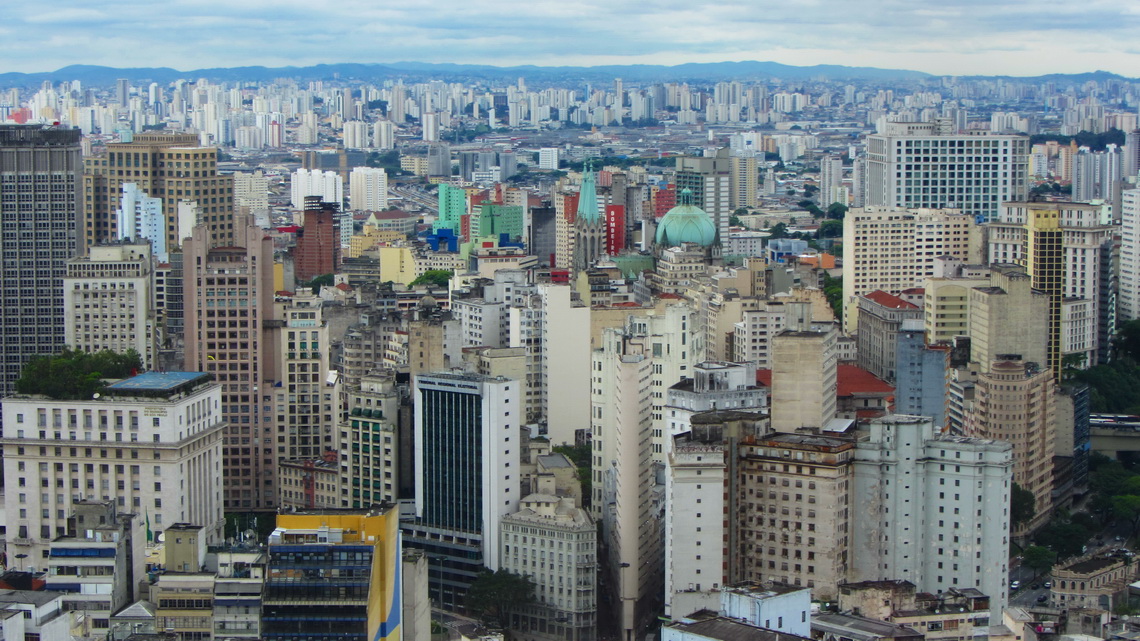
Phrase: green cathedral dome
[686,223]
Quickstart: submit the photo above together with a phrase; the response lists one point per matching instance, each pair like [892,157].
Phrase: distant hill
[415,71]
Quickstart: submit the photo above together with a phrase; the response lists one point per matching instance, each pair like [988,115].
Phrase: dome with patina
[686,223]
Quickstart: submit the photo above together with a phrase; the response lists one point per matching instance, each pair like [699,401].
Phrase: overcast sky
[1014,37]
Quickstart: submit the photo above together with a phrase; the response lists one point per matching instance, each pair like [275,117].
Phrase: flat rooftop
[158,382]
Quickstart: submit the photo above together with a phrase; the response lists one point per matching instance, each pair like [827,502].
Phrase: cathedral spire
[588,196]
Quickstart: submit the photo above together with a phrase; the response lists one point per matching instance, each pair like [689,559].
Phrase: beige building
[169,166]
[946,306]
[804,382]
[110,303]
[370,443]
[1015,401]
[893,249]
[1008,317]
[795,523]
[1092,583]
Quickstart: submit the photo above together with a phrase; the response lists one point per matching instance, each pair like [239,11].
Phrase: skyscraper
[318,243]
[368,189]
[920,164]
[710,180]
[467,475]
[40,204]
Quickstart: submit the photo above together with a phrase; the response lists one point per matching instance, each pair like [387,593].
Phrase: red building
[615,229]
[318,242]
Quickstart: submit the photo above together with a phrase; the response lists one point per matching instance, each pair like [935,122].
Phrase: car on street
[1048,585]
[1043,598]
[1015,585]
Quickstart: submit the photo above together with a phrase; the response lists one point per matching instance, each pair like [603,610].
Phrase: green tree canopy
[1021,506]
[830,229]
[74,374]
[836,211]
[494,594]
[315,285]
[1038,558]
[437,277]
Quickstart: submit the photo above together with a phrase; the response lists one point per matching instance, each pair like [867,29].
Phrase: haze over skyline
[956,37]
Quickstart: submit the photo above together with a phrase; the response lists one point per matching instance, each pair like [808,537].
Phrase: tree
[1021,506]
[830,229]
[779,230]
[1065,538]
[1127,508]
[74,374]
[315,285]
[437,277]
[833,291]
[494,594]
[1039,559]
[836,211]
[1127,341]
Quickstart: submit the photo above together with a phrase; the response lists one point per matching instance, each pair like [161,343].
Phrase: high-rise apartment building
[318,242]
[1128,300]
[743,179]
[228,306]
[251,193]
[928,165]
[307,402]
[881,316]
[1008,316]
[304,183]
[109,300]
[467,430]
[804,379]
[920,374]
[933,508]
[170,166]
[150,444]
[895,249]
[368,189]
[831,181]
[548,158]
[372,442]
[40,192]
[1015,401]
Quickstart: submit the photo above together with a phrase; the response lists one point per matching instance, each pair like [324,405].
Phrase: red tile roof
[856,380]
[889,300]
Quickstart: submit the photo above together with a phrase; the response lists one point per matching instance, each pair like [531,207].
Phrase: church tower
[589,226]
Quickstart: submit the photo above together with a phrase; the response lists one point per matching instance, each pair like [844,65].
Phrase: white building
[712,386]
[893,249]
[251,190]
[1128,301]
[33,614]
[140,217]
[314,182]
[384,135]
[109,297]
[932,508]
[565,367]
[831,181]
[774,606]
[368,189]
[696,480]
[554,543]
[928,165]
[548,158]
[357,135]
[151,443]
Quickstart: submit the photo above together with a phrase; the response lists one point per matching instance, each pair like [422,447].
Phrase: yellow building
[397,264]
[329,570]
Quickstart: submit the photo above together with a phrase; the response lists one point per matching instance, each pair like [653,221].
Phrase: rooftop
[34,597]
[862,626]
[708,625]
[170,382]
[889,301]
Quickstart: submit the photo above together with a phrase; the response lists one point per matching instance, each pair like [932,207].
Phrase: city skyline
[961,37]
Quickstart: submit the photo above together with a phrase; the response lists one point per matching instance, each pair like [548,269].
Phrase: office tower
[228,305]
[932,508]
[920,374]
[946,299]
[548,158]
[743,179]
[170,166]
[881,316]
[491,221]
[929,165]
[1015,401]
[108,544]
[831,181]
[858,181]
[328,185]
[368,189]
[795,514]
[384,135]
[438,159]
[804,380]
[546,528]
[1008,317]
[431,127]
[467,475]
[251,194]
[318,241]
[39,211]
[356,556]
[1061,246]
[624,484]
[710,180]
[1128,300]
[150,444]
[140,218]
[589,226]
[307,399]
[564,337]
[895,249]
[109,301]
